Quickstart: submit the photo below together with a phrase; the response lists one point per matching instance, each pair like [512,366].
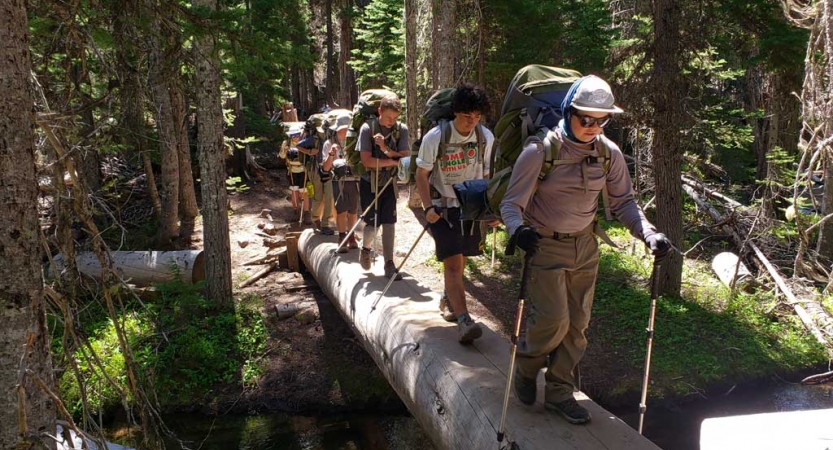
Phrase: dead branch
[258,275]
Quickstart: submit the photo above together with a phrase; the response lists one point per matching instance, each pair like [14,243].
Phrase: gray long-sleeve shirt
[567,200]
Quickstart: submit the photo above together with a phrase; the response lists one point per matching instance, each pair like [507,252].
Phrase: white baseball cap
[594,95]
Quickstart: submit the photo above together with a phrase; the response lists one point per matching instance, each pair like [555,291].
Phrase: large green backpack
[438,113]
[365,111]
[531,108]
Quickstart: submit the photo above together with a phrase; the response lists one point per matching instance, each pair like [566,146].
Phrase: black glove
[526,238]
[659,245]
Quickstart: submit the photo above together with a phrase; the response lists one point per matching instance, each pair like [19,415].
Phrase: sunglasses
[587,121]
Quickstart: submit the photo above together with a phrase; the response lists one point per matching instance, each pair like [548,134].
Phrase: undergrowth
[183,345]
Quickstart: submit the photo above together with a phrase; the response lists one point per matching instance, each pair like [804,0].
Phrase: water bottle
[310,189]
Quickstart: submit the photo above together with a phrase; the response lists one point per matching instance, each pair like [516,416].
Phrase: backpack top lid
[437,108]
[536,86]
[368,105]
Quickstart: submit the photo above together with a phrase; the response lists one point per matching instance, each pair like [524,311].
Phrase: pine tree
[379,55]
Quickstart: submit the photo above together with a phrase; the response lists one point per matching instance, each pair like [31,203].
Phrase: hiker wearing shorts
[554,222]
[462,160]
[345,184]
[322,200]
[295,173]
[380,151]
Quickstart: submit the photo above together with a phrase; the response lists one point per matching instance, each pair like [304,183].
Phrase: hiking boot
[327,231]
[570,410]
[365,259]
[390,271]
[468,330]
[307,218]
[446,311]
[351,242]
[525,388]
[316,224]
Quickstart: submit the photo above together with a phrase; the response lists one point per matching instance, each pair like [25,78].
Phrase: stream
[672,425]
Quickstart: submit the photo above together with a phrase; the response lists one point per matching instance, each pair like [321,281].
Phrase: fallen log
[142,268]
[454,391]
[711,193]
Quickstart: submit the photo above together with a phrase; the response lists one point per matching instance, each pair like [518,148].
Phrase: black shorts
[386,205]
[346,194]
[296,179]
[455,237]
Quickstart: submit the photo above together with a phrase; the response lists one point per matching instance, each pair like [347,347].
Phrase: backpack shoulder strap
[481,143]
[445,138]
[603,149]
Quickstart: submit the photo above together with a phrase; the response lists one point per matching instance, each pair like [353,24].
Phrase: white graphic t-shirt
[459,163]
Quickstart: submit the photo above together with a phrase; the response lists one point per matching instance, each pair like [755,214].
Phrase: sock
[367,236]
[388,235]
[462,318]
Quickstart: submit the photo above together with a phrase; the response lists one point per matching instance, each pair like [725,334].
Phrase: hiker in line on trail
[322,200]
[555,221]
[295,170]
[453,152]
[380,151]
[345,184]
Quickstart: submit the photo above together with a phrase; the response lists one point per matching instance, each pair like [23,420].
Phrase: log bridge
[455,392]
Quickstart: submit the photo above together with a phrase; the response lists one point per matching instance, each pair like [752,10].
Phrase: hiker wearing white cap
[345,184]
[554,220]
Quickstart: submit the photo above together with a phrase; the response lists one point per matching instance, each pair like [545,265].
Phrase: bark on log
[143,268]
[454,391]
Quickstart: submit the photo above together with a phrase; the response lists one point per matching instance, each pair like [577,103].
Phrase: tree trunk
[414,109]
[212,168]
[445,42]
[332,76]
[669,88]
[168,128]
[188,209]
[24,341]
[132,95]
[347,92]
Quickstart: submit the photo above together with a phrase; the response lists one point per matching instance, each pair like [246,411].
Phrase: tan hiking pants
[562,280]
[323,204]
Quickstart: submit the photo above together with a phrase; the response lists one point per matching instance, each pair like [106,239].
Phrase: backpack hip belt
[593,228]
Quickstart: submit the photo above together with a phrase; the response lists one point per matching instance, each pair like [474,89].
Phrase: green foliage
[180,342]
[574,34]
[379,53]
[706,336]
[235,185]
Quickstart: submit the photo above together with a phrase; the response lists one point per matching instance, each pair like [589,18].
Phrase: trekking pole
[515,336]
[361,217]
[494,244]
[649,342]
[401,264]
